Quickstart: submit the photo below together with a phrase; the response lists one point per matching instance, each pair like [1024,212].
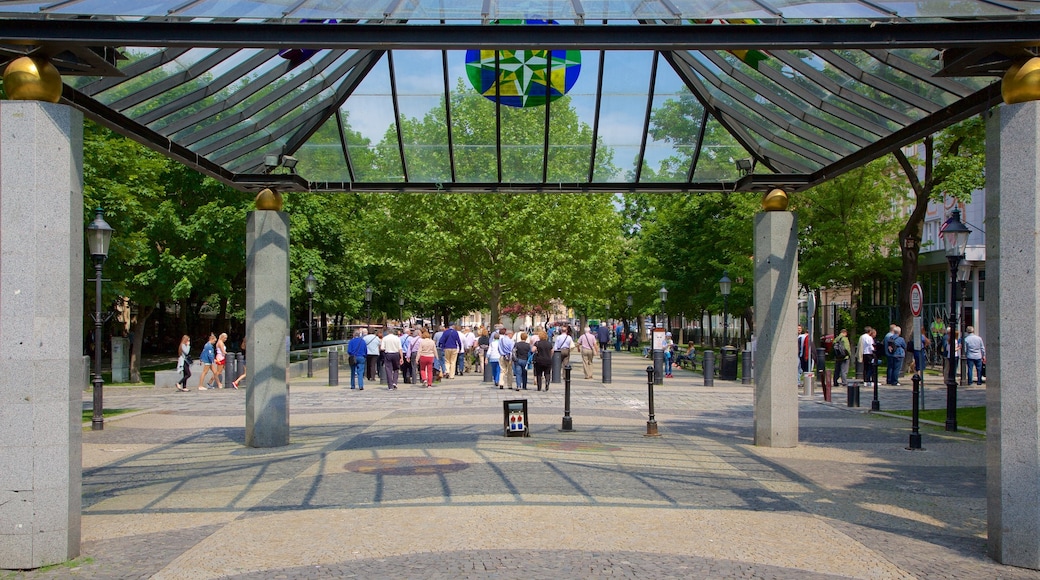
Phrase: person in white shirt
[392,357]
[469,340]
[866,353]
[562,345]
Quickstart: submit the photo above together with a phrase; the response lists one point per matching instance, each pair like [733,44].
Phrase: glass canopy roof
[483,95]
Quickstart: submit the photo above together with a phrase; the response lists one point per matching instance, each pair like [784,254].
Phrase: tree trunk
[910,236]
[137,329]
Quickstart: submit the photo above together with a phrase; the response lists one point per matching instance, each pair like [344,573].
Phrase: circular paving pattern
[406,466]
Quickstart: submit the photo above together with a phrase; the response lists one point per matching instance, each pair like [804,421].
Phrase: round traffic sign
[916,299]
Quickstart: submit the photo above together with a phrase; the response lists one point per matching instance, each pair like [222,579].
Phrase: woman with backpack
[841,349]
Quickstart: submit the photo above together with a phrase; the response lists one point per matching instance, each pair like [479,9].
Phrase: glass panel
[779,128]
[321,157]
[248,9]
[717,161]
[939,8]
[674,125]
[371,113]
[473,128]
[523,143]
[572,119]
[111,8]
[722,9]
[626,79]
[420,90]
[437,9]
[826,9]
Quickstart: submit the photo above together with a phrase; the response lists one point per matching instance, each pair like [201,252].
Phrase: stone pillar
[267,328]
[1012,280]
[776,325]
[41,332]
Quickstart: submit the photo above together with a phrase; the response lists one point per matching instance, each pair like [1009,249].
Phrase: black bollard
[557,361]
[568,425]
[708,366]
[821,366]
[659,367]
[745,368]
[333,368]
[605,354]
[651,425]
[875,405]
[915,433]
[487,373]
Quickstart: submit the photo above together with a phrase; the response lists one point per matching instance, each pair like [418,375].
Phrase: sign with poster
[916,303]
[658,339]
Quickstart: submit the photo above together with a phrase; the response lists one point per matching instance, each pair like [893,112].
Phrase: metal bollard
[853,397]
[333,368]
[651,425]
[708,366]
[915,433]
[606,366]
[745,367]
[821,365]
[568,425]
[557,361]
[487,372]
[658,367]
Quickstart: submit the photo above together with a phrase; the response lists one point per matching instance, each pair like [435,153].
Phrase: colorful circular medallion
[524,77]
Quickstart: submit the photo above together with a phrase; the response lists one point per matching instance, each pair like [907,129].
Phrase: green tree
[846,228]
[953,165]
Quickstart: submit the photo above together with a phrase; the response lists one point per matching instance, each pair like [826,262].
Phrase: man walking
[804,349]
[469,341]
[372,356]
[589,349]
[866,353]
[603,336]
[357,351]
[392,357]
[974,353]
[451,342]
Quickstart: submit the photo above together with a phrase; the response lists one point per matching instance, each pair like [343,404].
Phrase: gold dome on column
[269,199]
[1022,82]
[775,200]
[32,79]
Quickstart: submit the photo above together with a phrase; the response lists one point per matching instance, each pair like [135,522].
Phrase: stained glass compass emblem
[523,78]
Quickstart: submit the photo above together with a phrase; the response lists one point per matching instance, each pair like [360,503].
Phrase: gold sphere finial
[269,199]
[32,79]
[775,200]
[1022,82]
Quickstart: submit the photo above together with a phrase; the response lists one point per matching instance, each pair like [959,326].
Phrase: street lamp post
[99,234]
[310,283]
[368,303]
[955,237]
[725,284]
[663,292]
[400,309]
[963,274]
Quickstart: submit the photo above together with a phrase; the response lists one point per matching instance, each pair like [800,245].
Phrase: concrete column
[1012,280]
[41,332]
[776,324]
[267,328]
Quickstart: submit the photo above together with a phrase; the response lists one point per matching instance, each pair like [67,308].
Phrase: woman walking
[184,362]
[219,359]
[427,353]
[542,359]
[207,358]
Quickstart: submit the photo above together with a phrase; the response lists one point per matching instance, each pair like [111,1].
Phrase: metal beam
[880,35]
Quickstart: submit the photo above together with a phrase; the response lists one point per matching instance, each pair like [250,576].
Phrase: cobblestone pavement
[421,483]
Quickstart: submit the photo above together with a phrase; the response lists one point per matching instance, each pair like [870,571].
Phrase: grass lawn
[970,417]
[88,414]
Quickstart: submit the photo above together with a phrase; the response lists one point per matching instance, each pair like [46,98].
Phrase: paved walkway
[420,483]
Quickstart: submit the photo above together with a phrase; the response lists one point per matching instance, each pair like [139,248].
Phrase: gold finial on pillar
[775,200]
[270,199]
[1022,82]
[31,78]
